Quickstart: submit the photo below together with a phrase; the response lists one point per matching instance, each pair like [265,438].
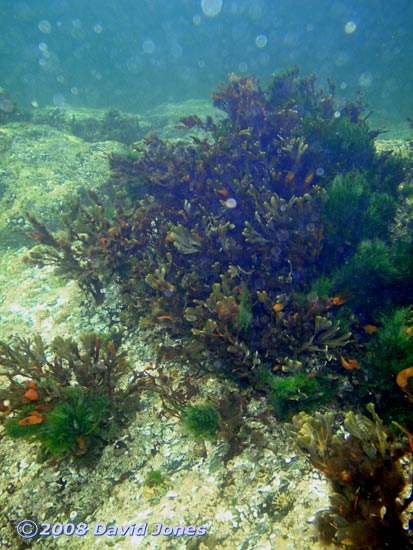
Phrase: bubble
[309,27]
[77,30]
[60,78]
[77,24]
[176,51]
[196,20]
[134,64]
[74,90]
[365,79]
[261,41]
[263,58]
[337,114]
[42,46]
[168,292]
[98,28]
[243,67]
[343,85]
[342,58]
[148,46]
[231,203]
[211,8]
[350,27]
[34,104]
[44,26]
[59,100]
[320,171]
[275,253]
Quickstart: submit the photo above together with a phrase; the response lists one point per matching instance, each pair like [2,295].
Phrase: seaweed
[75,425]
[389,352]
[65,395]
[298,391]
[352,212]
[370,276]
[202,421]
[155,478]
[364,469]
[239,225]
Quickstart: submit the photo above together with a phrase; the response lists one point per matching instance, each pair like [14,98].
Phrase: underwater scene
[206,298]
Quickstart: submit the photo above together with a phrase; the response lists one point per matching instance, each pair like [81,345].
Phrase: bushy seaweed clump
[286,393]
[202,421]
[75,424]
[367,480]
[388,353]
[238,228]
[66,395]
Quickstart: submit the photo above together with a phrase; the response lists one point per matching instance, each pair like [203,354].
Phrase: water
[135,54]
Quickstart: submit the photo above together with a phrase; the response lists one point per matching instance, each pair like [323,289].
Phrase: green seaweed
[155,478]
[353,212]
[244,315]
[350,144]
[369,276]
[202,421]
[65,395]
[389,351]
[73,425]
[289,393]
[343,204]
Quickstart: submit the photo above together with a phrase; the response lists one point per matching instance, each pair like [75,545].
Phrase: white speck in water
[231,203]
[148,46]
[261,41]
[44,26]
[350,27]
[211,8]
[365,79]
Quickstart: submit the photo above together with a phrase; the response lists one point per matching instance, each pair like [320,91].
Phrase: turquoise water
[135,54]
